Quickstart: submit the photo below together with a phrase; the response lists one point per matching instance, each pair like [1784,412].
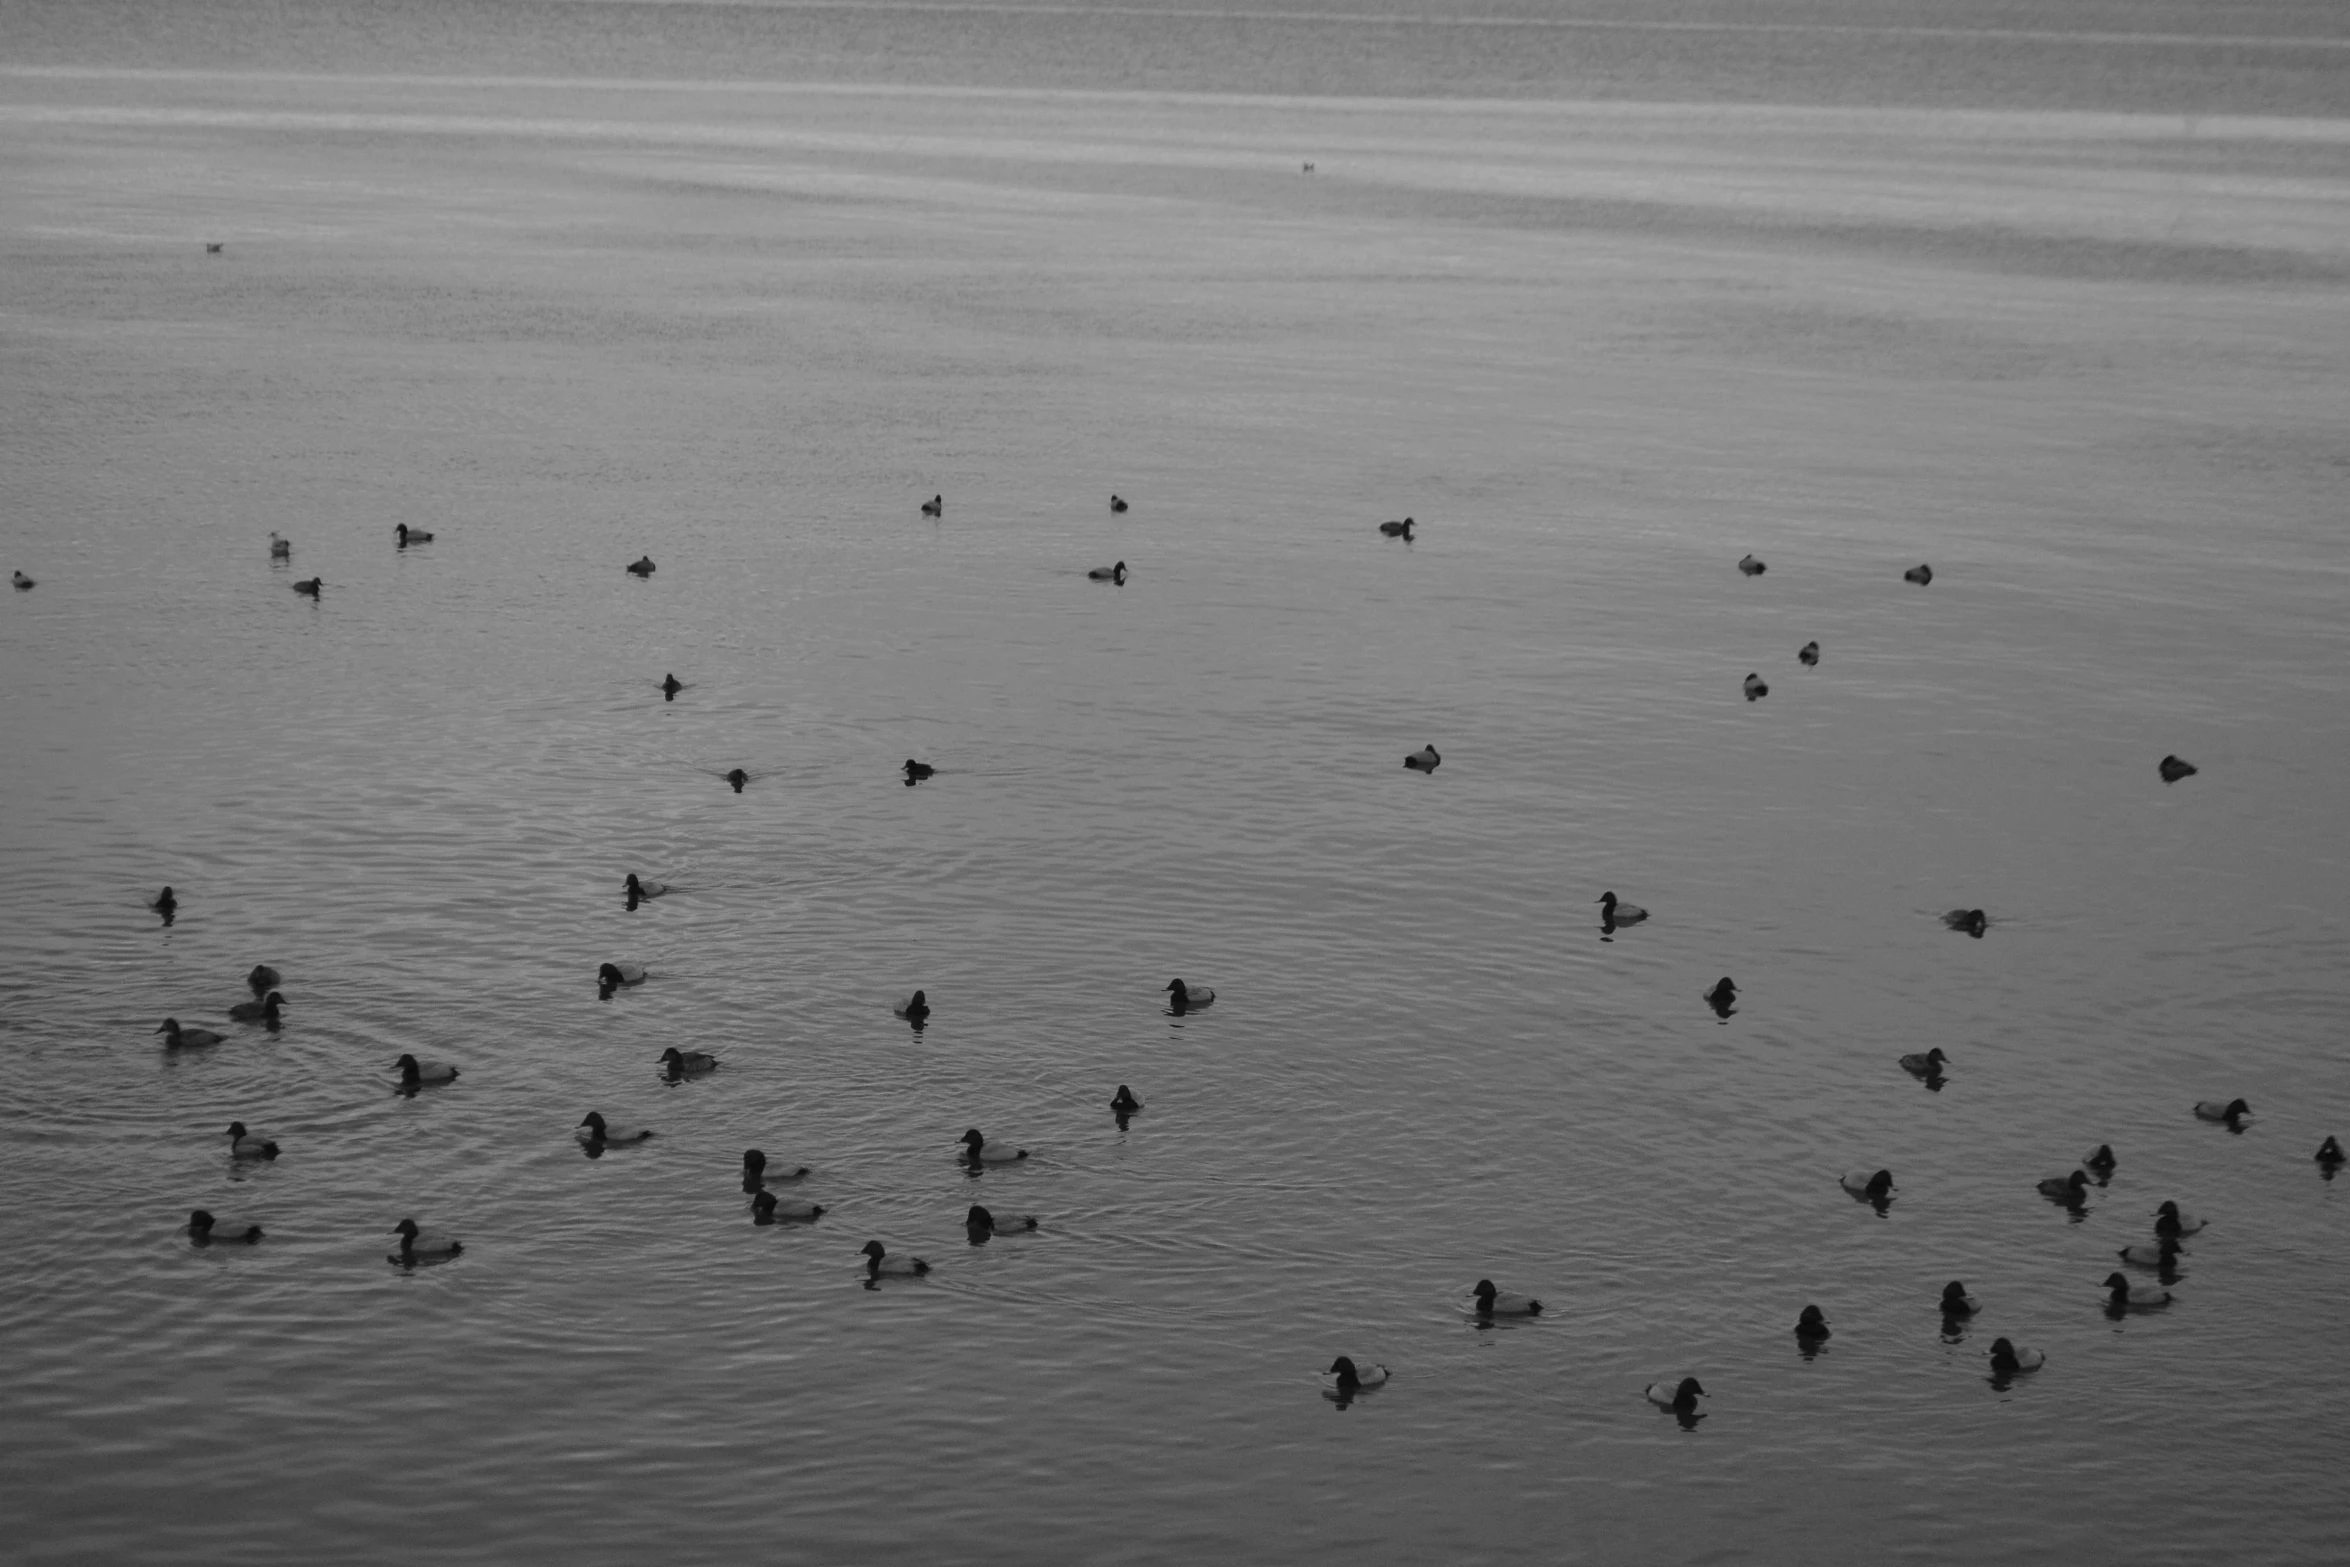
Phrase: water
[570,284]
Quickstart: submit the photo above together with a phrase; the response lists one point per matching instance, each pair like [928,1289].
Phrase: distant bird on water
[914,1008]
[407,535]
[1808,655]
[262,1011]
[1124,1104]
[1344,1374]
[756,1173]
[418,1245]
[982,1223]
[1927,1065]
[2007,1360]
[642,566]
[1973,921]
[1680,1397]
[917,771]
[738,778]
[1921,575]
[280,548]
[978,1150]
[643,889]
[165,904]
[2172,1220]
[1873,1188]
[1752,567]
[2329,1152]
[204,1229]
[595,1129]
[1723,998]
[880,1264]
[212,246]
[671,686]
[1116,504]
[244,1145]
[2122,1295]
[1956,1302]
[1398,530]
[309,588]
[2173,769]
[415,1073]
[1812,1325]
[178,1038]
[936,506]
[1424,760]
[2101,1159]
[2069,1190]
[2230,1113]
[767,1208]
[612,976]
[1492,1302]
[1183,998]
[20,581]
[1756,687]
[1613,911]
[1115,573]
[263,978]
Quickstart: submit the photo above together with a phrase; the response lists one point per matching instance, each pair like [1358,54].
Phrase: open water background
[2052,297]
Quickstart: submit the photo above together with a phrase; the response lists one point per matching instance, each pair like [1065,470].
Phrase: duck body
[1424,760]
[767,1208]
[19,581]
[1756,687]
[1808,655]
[1874,1186]
[244,1145]
[309,588]
[2172,1220]
[670,686]
[2071,1190]
[1115,573]
[2174,768]
[1752,567]
[595,1129]
[407,535]
[2157,1253]
[414,1073]
[1972,921]
[981,1222]
[638,888]
[1398,530]
[879,1264]
[1956,1302]
[914,1007]
[1116,504]
[613,975]
[1921,575]
[1812,1325]
[178,1038]
[1929,1064]
[1349,1377]
[2007,1359]
[687,1063]
[642,566]
[737,778]
[1492,1302]
[2213,1110]
[1124,1102]
[1188,998]
[1614,910]
[978,1150]
[419,1245]
[1681,1397]
[262,1011]
[2122,1294]
[936,506]
[757,1171]
[916,772]
[204,1229]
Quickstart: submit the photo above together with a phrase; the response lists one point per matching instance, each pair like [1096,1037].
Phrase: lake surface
[2054,298]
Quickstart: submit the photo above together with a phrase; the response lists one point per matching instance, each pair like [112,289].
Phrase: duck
[978,1150]
[2175,768]
[204,1229]
[2212,1110]
[1956,1302]
[1928,1065]
[423,1245]
[280,549]
[2123,1295]
[913,1008]
[20,581]
[309,588]
[613,975]
[176,1037]
[1812,1324]
[213,247]
[1877,1187]
[2156,1253]
[164,903]
[638,888]
[245,1145]
[936,506]
[880,1264]
[2006,1359]
[1398,530]
[1973,921]
[670,686]
[1124,1103]
[917,771]
[1921,575]
[1116,504]
[262,1011]
[1348,1377]
[737,778]
[642,566]
[1756,687]
[1115,573]
[1680,1397]
[1752,567]
[767,1208]
[756,1172]
[1808,655]
[1615,911]
[408,535]
[2170,1219]
[263,978]
[415,1073]
[595,1129]
[1424,760]
[1188,998]
[2101,1159]
[981,1222]
[1725,991]
[679,1063]
[2071,1190]
[1492,1302]
[2329,1152]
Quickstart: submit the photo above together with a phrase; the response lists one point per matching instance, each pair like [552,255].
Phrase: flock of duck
[1346,1377]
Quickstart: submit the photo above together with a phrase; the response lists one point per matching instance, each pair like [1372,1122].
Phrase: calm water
[739,286]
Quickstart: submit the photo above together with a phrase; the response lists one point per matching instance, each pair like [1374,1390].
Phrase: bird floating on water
[978,1150]
[2070,1190]
[245,1145]
[637,888]
[1722,997]
[204,1229]
[2007,1360]
[2174,768]
[914,1008]
[738,778]
[1399,530]
[2172,1220]
[1929,1064]
[2156,1253]
[595,1129]
[880,1264]
[407,535]
[613,975]
[280,548]
[420,1245]
[671,686]
[1492,1302]
[2230,1113]
[165,903]
[1812,1325]
[687,1063]
[1115,573]
[1188,998]
[1752,567]
[19,581]
[767,1208]
[756,1172]
[309,587]
[1345,1375]
[936,506]
[2122,1295]
[1921,575]
[263,978]
[1956,1302]
[1125,1104]
[1808,655]
[642,566]
[1756,687]
[2329,1152]
[1424,760]
[982,1223]
[176,1037]
[1874,1187]
[1614,911]
[2100,1159]
[1116,504]
[212,247]
[415,1073]
[1680,1397]
[1973,921]
[917,771]
[262,1011]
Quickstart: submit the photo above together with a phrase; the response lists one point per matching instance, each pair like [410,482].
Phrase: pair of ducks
[416,1244]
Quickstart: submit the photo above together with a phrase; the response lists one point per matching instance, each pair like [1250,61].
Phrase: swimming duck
[670,686]
[1928,1065]
[636,888]
[936,506]
[978,1150]
[213,247]
[1921,575]
[2101,1159]
[204,1229]
[1614,911]
[310,588]
[408,535]
[595,1129]
[262,1011]
[1752,567]
[244,1145]
[2173,769]
[1126,1104]
[2213,1110]
[1397,530]
[914,1008]
[2171,1219]
[2071,1190]
[263,978]
[1117,504]
[1956,1302]
[1424,760]
[2121,1294]
[1808,655]
[642,566]
[1115,573]
[19,581]
[756,1172]
[415,1073]
[1812,1324]
[738,778]
[280,549]
[880,1264]
[2328,1152]
[679,1063]
[1348,1377]
[1722,995]
[917,771]
[982,1222]
[1973,921]
[2006,1359]
[1756,688]
[1188,998]
[423,1245]
[767,1208]
[176,1037]
[164,903]
[1875,1188]
[1680,1397]
[1494,1303]
[2156,1253]
[613,975]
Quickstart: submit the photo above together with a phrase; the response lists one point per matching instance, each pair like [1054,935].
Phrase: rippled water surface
[745,317]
